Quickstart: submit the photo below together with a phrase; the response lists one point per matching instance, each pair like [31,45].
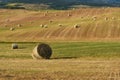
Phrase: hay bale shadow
[64,58]
[22,47]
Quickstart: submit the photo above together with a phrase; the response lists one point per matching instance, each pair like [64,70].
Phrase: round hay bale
[113,18]
[19,25]
[42,25]
[60,25]
[11,29]
[45,26]
[76,26]
[69,15]
[42,51]
[94,18]
[106,18]
[14,46]
[73,9]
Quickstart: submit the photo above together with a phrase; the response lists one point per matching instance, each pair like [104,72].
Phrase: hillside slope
[56,4]
[71,25]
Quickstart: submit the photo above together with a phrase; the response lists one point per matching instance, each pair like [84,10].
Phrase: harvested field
[90,52]
[70,61]
[89,30]
[62,69]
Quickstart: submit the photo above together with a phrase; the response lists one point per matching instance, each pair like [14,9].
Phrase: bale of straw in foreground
[14,46]
[42,51]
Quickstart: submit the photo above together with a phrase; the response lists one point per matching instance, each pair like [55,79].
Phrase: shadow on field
[22,47]
[64,58]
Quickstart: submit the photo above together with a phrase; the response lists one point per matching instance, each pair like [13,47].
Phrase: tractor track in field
[105,26]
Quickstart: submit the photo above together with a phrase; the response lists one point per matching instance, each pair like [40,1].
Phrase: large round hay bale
[14,46]
[42,51]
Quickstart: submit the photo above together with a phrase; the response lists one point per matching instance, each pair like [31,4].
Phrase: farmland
[96,24]
[85,44]
[70,60]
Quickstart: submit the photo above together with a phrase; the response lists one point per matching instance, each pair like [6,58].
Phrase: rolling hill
[84,24]
[56,4]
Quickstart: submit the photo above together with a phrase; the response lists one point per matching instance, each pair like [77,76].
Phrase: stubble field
[85,44]
[69,61]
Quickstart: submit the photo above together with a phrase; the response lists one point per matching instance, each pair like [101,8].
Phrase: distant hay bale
[42,51]
[76,26]
[11,29]
[45,26]
[60,25]
[94,18]
[69,15]
[19,25]
[42,25]
[14,46]
[106,18]
[73,9]
[113,18]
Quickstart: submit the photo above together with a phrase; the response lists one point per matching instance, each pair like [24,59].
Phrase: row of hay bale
[50,21]
[93,18]
[55,14]
[13,28]
[105,18]
[45,14]
[69,14]
[18,25]
[42,26]
[40,51]
[60,25]
[46,26]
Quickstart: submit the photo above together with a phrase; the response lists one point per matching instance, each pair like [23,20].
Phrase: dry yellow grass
[70,61]
[98,29]
[60,69]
